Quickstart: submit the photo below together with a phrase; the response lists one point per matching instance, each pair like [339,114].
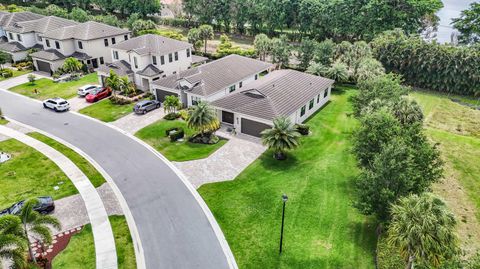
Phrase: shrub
[303,129]
[31,78]
[171,116]
[7,73]
[178,134]
[184,114]
[207,138]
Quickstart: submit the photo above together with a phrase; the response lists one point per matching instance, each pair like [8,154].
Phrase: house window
[256,76]
[325,93]
[39,38]
[57,45]
[170,58]
[115,55]
[176,56]
[80,45]
[101,60]
[125,37]
[154,60]
[188,53]
[89,62]
[157,78]
[310,106]
[10,35]
[162,60]
[240,84]
[47,42]
[194,101]
[302,111]
[232,88]
[105,41]
[135,61]
[19,37]
[318,99]
[113,40]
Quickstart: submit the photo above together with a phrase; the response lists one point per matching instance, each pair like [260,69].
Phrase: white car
[85,90]
[57,104]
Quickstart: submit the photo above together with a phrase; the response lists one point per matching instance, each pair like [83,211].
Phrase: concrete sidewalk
[106,255]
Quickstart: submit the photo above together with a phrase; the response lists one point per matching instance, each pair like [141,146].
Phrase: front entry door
[95,63]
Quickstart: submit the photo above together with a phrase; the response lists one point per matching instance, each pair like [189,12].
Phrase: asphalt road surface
[174,230]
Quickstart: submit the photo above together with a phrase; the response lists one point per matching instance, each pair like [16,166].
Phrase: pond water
[451,9]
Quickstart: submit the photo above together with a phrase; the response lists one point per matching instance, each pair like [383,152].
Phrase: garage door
[254,128]
[162,94]
[43,66]
[227,117]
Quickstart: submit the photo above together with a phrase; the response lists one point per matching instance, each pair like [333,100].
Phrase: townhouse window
[170,58]
[113,41]
[57,45]
[162,60]
[318,99]
[310,106]
[115,55]
[101,60]
[105,41]
[10,35]
[80,45]
[39,38]
[135,61]
[154,59]
[240,84]
[188,53]
[47,42]
[232,88]
[19,37]
[176,56]
[155,79]
[174,72]
[302,111]
[125,37]
[325,93]
[256,76]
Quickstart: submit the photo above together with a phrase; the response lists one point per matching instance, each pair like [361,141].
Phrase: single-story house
[286,93]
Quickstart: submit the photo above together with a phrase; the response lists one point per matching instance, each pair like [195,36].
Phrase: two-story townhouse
[13,42]
[147,58]
[89,42]
[211,81]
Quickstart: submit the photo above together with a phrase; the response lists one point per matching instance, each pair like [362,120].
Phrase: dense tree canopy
[468,24]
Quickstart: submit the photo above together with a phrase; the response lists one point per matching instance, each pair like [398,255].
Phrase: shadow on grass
[270,163]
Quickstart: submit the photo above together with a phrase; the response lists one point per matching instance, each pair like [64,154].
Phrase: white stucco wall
[226,91]
[296,116]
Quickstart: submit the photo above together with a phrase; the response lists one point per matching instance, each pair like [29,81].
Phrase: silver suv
[57,104]
[145,106]
[84,90]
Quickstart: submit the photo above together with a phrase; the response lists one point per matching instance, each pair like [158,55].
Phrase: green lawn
[29,174]
[107,111]
[80,252]
[48,89]
[322,229]
[17,73]
[154,135]
[95,177]
[3,121]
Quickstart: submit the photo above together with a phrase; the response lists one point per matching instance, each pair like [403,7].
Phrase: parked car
[145,106]
[84,90]
[57,104]
[98,94]
[45,205]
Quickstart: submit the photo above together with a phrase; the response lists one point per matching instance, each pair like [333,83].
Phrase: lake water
[451,9]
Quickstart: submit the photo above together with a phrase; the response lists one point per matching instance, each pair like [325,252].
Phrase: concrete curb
[105,249]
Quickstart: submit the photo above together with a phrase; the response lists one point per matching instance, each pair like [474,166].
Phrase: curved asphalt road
[174,230]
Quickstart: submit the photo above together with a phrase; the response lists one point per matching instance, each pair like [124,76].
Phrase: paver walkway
[132,122]
[106,255]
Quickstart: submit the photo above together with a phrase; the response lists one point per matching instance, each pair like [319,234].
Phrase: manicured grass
[30,174]
[80,252]
[95,177]
[47,88]
[322,229]
[17,73]
[107,111]
[154,135]
[3,121]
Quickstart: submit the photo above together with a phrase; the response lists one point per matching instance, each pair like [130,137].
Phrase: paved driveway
[175,227]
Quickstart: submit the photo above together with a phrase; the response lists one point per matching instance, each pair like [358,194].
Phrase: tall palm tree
[13,245]
[37,225]
[171,103]
[203,118]
[282,137]
[338,72]
[114,82]
[423,229]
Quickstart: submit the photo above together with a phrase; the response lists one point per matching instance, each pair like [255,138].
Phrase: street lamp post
[284,199]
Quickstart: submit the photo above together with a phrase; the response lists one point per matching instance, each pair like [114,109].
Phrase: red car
[98,94]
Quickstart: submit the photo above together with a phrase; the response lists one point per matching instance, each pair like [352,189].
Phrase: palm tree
[13,245]
[423,229]
[203,118]
[36,225]
[171,103]
[407,111]
[206,33]
[338,72]
[72,65]
[369,68]
[282,137]
[317,69]
[114,82]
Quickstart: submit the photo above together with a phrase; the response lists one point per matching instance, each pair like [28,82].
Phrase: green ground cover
[154,135]
[17,73]
[322,229]
[47,88]
[107,111]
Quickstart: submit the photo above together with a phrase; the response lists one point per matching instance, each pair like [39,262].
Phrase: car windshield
[63,103]
[95,91]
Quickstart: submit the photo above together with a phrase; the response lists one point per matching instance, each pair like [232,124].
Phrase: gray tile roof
[198,59]
[150,71]
[12,47]
[85,31]
[11,18]
[41,25]
[152,44]
[279,93]
[49,55]
[217,75]
[121,68]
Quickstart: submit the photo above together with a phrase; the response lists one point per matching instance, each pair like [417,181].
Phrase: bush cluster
[172,116]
